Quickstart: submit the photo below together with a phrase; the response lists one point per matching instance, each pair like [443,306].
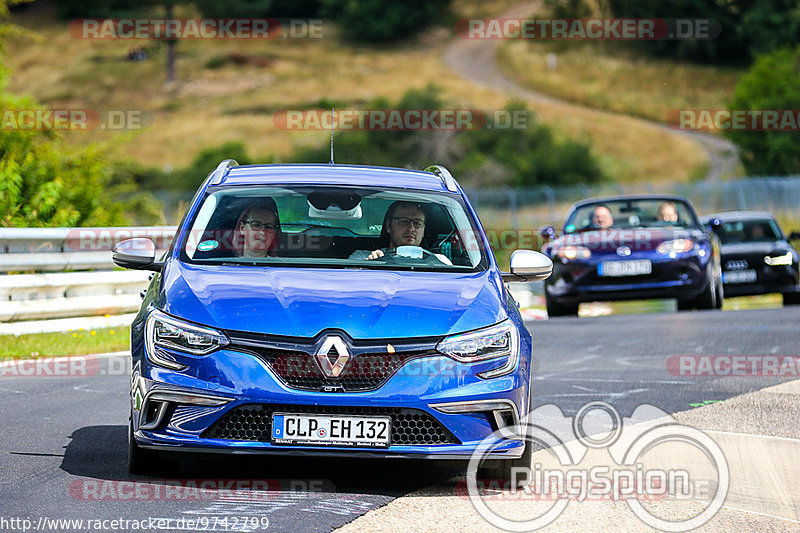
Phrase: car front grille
[253,422]
[364,372]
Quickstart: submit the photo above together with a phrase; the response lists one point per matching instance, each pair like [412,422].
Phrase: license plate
[364,431]
[739,276]
[625,268]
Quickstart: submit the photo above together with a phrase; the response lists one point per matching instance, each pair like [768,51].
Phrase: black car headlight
[781,260]
[494,342]
[169,332]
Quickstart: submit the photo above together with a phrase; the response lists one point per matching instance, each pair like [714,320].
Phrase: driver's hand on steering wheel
[375,254]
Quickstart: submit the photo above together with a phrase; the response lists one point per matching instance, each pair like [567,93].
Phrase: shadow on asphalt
[101,452]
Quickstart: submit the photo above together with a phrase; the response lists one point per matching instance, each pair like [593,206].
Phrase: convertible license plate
[364,431]
[739,276]
[625,268]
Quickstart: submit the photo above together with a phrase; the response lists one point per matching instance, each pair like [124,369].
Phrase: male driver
[601,217]
[403,225]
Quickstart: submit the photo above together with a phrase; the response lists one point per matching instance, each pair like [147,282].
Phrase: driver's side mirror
[527,265]
[714,224]
[138,254]
[548,233]
[794,236]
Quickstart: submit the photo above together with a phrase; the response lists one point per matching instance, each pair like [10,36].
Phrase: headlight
[781,260]
[501,340]
[169,332]
[675,246]
[574,252]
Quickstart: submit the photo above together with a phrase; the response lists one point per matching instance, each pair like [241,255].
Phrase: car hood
[754,248]
[301,302]
[640,239]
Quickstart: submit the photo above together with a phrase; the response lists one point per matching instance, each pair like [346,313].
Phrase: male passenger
[667,212]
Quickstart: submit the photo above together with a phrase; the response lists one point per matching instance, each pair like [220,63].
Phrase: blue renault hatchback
[328,310]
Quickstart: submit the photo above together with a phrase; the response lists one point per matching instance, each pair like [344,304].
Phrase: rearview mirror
[138,254]
[527,265]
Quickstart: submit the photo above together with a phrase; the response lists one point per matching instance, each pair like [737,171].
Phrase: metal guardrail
[44,296]
[33,295]
[59,249]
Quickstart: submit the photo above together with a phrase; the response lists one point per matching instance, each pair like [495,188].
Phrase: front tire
[791,298]
[556,309]
[706,300]
[145,462]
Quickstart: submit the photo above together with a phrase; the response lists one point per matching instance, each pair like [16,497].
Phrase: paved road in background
[63,440]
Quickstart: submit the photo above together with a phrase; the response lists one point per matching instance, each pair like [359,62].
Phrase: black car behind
[757,257]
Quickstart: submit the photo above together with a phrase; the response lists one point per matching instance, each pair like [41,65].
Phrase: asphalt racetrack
[63,440]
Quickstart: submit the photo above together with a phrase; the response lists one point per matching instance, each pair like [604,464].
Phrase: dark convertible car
[633,247]
[756,255]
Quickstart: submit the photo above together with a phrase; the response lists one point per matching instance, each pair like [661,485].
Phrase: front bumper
[682,278]
[769,279]
[231,381]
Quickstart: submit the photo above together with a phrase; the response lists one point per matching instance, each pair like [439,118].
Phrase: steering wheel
[395,257]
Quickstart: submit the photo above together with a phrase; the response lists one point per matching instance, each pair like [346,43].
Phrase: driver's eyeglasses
[257,226]
[405,221]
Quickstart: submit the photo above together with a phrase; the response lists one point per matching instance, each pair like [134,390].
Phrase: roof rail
[222,170]
[447,179]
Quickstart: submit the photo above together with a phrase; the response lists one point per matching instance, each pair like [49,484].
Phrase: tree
[773,82]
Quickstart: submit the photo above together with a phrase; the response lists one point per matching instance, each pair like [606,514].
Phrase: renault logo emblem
[332,344]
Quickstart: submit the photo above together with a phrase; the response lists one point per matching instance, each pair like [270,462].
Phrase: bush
[485,157]
[190,178]
[747,27]
[773,82]
[259,8]
[376,21]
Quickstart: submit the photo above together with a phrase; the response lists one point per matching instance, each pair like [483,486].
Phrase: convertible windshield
[757,230]
[329,226]
[631,213]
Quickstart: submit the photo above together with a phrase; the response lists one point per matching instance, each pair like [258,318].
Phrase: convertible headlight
[501,340]
[781,260]
[574,252]
[169,332]
[675,246]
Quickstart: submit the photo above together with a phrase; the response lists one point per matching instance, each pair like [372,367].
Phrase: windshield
[328,226]
[631,213]
[738,231]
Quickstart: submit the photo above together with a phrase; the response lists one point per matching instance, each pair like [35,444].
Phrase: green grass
[207,107]
[618,80]
[78,342]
